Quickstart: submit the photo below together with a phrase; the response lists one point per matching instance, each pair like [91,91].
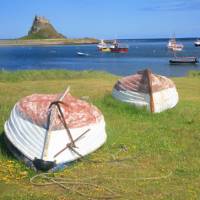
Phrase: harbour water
[142,54]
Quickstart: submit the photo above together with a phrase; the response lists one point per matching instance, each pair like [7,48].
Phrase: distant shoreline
[48,42]
[79,41]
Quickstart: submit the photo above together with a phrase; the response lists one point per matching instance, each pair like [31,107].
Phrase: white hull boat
[197,43]
[144,89]
[174,46]
[103,47]
[48,137]
[82,54]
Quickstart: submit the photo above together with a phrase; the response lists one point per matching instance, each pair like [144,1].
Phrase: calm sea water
[142,54]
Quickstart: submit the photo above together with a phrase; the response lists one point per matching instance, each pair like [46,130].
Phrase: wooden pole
[52,115]
[149,79]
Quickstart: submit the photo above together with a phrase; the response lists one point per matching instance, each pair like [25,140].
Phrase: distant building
[42,29]
[41,19]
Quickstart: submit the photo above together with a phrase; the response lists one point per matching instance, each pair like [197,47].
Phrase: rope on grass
[142,178]
[65,183]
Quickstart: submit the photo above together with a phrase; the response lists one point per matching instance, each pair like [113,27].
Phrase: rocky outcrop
[42,29]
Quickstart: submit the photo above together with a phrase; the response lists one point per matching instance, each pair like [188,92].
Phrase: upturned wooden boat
[47,131]
[144,89]
[183,60]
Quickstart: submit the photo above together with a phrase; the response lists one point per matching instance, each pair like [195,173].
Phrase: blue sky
[104,18]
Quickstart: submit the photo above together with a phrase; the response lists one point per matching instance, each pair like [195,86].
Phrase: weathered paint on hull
[163,100]
[29,139]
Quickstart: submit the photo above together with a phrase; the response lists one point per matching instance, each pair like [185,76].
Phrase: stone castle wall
[41,20]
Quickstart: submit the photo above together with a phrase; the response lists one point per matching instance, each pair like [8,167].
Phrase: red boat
[118,48]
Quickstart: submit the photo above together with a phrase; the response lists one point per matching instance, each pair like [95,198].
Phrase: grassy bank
[155,145]
[24,42]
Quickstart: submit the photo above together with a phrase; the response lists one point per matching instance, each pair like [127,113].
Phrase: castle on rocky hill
[42,29]
[41,19]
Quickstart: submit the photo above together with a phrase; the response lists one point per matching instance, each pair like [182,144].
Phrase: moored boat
[118,48]
[174,46]
[183,60]
[103,47]
[47,131]
[82,54]
[144,89]
[115,47]
[197,43]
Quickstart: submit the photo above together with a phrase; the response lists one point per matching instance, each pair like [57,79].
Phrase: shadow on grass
[4,151]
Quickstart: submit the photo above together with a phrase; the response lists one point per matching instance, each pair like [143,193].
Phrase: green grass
[194,73]
[37,40]
[157,144]
[39,75]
